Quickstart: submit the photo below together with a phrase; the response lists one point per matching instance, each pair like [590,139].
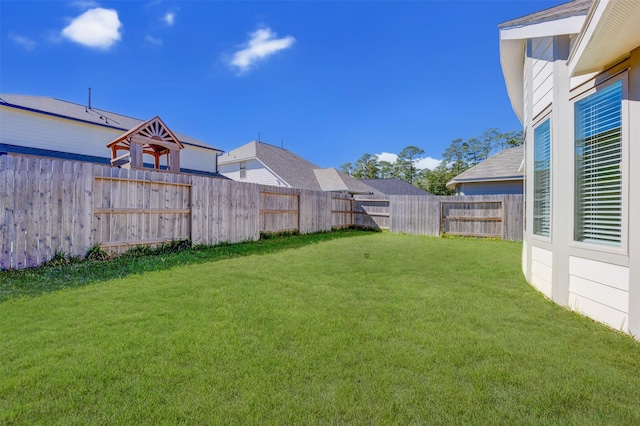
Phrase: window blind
[542,179]
[598,154]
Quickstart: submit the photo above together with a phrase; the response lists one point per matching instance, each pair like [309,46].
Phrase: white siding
[195,158]
[525,264]
[256,172]
[33,130]
[599,290]
[541,270]
[542,71]
[40,131]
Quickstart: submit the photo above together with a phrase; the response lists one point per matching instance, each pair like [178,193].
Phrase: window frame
[546,119]
[602,82]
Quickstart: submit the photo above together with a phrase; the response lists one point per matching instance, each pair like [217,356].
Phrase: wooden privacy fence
[51,206]
[279,211]
[472,218]
[498,216]
[135,211]
[370,211]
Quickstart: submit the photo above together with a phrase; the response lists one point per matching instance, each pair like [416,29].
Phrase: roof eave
[609,34]
[512,52]
[453,182]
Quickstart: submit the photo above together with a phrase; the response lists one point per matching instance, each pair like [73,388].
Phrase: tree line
[459,156]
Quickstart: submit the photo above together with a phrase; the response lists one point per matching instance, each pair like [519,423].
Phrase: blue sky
[330,80]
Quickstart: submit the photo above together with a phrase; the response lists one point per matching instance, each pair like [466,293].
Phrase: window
[542,179]
[243,169]
[598,151]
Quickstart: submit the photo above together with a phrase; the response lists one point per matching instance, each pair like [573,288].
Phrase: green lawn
[371,329]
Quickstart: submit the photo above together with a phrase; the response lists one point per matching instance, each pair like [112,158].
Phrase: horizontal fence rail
[53,206]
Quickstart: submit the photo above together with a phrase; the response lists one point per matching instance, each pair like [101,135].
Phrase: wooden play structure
[153,138]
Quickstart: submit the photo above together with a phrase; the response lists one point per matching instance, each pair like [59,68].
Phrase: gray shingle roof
[505,165]
[394,187]
[295,170]
[572,8]
[79,112]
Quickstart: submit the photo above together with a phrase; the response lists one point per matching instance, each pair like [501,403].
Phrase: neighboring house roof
[394,187]
[77,112]
[295,170]
[505,165]
[332,180]
[291,168]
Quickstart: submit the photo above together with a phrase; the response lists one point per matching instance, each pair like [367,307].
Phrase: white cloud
[26,42]
[428,163]
[169,18]
[153,40]
[263,43]
[99,28]
[387,156]
[422,163]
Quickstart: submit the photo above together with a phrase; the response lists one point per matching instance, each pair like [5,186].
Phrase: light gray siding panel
[542,72]
[256,172]
[491,188]
[198,159]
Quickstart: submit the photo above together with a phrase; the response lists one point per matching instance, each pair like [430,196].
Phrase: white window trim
[538,123]
[582,248]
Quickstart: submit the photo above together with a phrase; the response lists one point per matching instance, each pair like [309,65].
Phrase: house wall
[599,281]
[41,131]
[256,172]
[542,270]
[30,129]
[540,61]
[490,188]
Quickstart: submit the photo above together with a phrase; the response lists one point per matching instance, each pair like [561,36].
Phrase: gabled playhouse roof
[72,111]
[296,171]
[503,166]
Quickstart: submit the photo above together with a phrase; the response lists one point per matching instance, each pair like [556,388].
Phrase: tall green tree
[455,156]
[405,164]
[366,167]
[435,181]
[387,170]
[347,168]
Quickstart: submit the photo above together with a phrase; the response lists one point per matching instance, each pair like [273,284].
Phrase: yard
[369,329]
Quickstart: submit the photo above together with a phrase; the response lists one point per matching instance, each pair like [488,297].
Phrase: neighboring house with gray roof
[501,173]
[259,162]
[573,77]
[44,126]
[394,187]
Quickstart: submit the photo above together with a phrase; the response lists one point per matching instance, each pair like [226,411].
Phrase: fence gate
[132,212]
[472,218]
[341,212]
[372,213]
[279,212]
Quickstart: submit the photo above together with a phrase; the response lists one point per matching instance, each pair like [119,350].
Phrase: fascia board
[563,26]
[594,16]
